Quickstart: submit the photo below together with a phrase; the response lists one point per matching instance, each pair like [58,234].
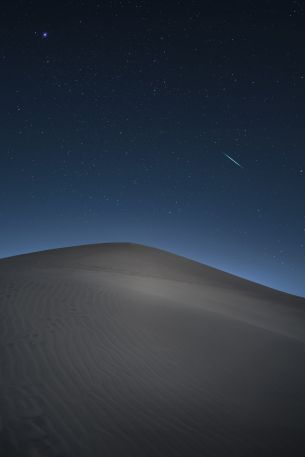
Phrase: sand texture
[124,350]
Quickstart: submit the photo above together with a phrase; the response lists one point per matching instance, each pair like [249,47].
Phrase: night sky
[119,120]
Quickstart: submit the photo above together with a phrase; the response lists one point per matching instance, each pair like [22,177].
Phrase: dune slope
[125,350]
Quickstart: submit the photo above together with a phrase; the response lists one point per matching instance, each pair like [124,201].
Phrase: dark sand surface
[124,350]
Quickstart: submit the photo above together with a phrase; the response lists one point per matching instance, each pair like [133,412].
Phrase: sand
[125,350]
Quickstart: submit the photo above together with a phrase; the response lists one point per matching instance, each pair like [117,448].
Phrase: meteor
[232,160]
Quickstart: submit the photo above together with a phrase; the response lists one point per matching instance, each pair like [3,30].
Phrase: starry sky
[119,120]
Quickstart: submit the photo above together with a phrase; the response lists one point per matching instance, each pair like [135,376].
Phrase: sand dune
[124,350]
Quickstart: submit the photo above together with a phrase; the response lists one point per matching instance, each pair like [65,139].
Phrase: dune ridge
[124,350]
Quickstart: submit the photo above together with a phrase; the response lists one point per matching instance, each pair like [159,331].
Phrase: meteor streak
[232,160]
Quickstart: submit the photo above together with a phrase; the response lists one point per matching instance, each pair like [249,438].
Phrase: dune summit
[125,350]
